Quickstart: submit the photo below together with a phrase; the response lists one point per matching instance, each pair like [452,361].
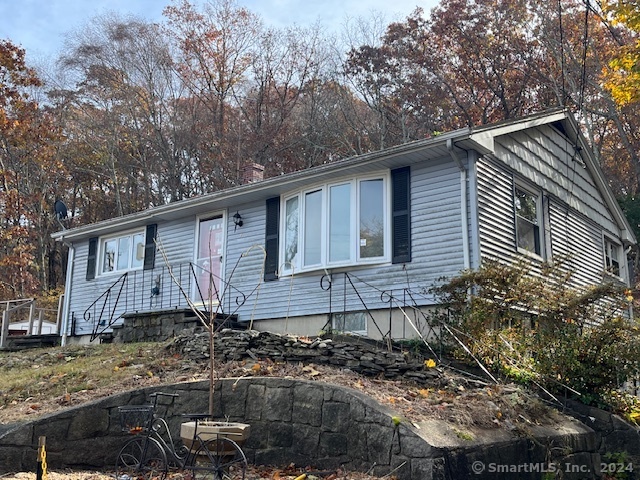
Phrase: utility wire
[585,46]
[562,67]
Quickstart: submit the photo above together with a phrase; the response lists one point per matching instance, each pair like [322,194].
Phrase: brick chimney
[252,172]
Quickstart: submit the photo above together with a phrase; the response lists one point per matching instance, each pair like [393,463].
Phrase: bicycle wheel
[219,459]
[140,460]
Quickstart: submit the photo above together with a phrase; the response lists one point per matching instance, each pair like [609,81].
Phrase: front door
[210,248]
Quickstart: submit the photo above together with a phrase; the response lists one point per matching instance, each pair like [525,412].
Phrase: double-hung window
[118,253]
[122,253]
[528,215]
[612,257]
[336,224]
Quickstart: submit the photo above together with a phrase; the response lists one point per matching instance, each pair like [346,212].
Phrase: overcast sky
[39,26]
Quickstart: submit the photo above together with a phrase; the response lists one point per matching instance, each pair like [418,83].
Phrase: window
[612,257]
[354,322]
[122,253]
[528,213]
[342,223]
[364,220]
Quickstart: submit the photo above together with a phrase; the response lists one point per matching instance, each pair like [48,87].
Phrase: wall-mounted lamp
[237,220]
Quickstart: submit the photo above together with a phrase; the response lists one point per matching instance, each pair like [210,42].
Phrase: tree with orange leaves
[28,177]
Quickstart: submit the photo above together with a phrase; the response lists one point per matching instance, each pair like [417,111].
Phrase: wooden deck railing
[27,318]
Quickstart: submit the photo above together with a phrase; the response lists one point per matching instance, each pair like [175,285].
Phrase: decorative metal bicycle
[151,453]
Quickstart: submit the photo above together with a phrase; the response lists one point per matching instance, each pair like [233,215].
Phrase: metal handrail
[143,290]
[106,297]
[406,301]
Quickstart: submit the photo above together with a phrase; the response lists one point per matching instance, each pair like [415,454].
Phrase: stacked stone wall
[155,327]
[354,354]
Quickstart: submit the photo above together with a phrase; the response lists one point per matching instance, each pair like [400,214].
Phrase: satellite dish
[60,209]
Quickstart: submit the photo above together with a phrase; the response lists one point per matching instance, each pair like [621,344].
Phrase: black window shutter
[401,221]
[150,247]
[272,228]
[91,258]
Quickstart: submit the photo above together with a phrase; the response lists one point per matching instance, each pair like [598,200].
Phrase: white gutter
[463,204]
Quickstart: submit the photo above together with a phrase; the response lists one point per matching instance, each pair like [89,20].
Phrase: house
[355,244]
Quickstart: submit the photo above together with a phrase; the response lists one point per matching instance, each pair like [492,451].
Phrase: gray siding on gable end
[495,212]
[577,214]
[546,157]
[580,242]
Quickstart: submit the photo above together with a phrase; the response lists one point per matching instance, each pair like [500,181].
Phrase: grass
[57,373]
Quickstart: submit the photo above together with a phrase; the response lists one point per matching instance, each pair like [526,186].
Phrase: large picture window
[528,213]
[122,253]
[342,223]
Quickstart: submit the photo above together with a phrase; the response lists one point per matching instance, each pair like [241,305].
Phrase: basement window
[352,322]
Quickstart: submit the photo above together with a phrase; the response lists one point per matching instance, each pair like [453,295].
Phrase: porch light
[237,220]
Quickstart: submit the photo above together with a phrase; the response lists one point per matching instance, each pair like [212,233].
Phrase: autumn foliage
[29,171]
[137,114]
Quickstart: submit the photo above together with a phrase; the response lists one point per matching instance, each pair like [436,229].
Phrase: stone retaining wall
[155,326]
[305,422]
[613,435]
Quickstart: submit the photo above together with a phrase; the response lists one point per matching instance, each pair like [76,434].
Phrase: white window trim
[101,250]
[539,217]
[607,239]
[355,259]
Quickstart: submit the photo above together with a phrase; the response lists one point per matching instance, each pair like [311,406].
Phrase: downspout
[67,291]
[464,214]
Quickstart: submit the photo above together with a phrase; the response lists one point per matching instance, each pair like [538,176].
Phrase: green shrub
[532,327]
